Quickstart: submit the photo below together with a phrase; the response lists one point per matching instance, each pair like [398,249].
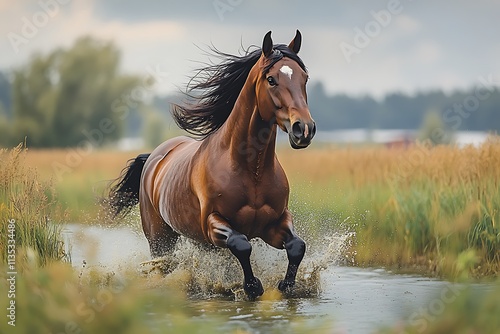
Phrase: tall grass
[428,208]
[25,202]
[57,298]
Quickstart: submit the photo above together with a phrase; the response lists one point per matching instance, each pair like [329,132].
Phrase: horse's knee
[239,245]
[162,245]
[295,250]
[157,249]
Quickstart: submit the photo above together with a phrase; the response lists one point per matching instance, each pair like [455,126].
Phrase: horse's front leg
[282,235]
[221,234]
[295,250]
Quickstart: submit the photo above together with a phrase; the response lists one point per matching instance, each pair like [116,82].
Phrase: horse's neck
[250,139]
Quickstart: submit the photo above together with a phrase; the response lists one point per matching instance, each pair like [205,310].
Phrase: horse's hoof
[285,286]
[253,288]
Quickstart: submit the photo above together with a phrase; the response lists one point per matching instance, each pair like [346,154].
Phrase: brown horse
[228,187]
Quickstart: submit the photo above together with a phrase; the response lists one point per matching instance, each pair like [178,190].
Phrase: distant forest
[472,110]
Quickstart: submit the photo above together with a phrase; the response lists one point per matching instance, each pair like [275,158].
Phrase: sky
[354,47]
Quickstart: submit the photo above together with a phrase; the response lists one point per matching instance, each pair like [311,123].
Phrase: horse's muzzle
[301,134]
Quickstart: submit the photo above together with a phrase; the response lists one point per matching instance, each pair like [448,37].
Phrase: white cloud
[427,52]
[414,51]
[407,24]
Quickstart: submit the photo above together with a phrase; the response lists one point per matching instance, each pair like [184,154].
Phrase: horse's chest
[250,209]
[251,221]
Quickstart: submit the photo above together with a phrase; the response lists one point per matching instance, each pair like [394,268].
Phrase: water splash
[207,272]
[202,271]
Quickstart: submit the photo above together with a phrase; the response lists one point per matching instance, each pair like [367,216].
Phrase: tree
[434,130]
[5,94]
[62,99]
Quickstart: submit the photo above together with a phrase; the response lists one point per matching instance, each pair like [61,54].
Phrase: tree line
[476,109]
[78,95]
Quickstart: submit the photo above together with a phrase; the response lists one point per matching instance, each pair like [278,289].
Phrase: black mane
[214,89]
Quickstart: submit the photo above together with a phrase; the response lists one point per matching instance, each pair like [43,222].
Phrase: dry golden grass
[79,179]
[362,166]
[429,208]
[60,164]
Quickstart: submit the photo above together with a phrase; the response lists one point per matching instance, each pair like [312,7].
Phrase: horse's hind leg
[282,236]
[160,235]
[162,240]
[221,234]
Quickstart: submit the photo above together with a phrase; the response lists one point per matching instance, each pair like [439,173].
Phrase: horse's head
[281,90]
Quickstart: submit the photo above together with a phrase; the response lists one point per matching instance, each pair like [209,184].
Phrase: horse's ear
[267,45]
[296,42]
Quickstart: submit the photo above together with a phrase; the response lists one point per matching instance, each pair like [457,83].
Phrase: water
[330,296]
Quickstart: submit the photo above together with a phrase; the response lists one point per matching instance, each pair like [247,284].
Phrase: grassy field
[431,210]
[428,209]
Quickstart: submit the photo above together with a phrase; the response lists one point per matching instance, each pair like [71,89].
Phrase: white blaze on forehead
[287,71]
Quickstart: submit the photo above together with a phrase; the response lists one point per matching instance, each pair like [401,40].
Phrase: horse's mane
[213,91]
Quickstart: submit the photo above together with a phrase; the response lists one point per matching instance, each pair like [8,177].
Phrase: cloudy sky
[355,47]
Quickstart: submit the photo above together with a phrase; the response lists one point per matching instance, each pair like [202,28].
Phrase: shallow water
[331,296]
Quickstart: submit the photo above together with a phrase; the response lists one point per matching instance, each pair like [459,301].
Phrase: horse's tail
[124,191]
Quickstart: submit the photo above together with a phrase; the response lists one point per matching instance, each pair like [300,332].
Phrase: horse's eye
[272,81]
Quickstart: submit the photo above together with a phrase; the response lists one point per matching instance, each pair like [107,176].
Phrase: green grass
[58,299]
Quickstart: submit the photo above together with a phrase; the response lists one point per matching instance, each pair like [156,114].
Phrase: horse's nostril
[313,129]
[297,130]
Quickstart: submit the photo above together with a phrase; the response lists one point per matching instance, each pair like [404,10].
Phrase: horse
[224,184]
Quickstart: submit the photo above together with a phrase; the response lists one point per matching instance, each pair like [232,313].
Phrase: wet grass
[58,299]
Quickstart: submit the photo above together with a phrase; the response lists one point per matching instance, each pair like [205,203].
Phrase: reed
[26,210]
